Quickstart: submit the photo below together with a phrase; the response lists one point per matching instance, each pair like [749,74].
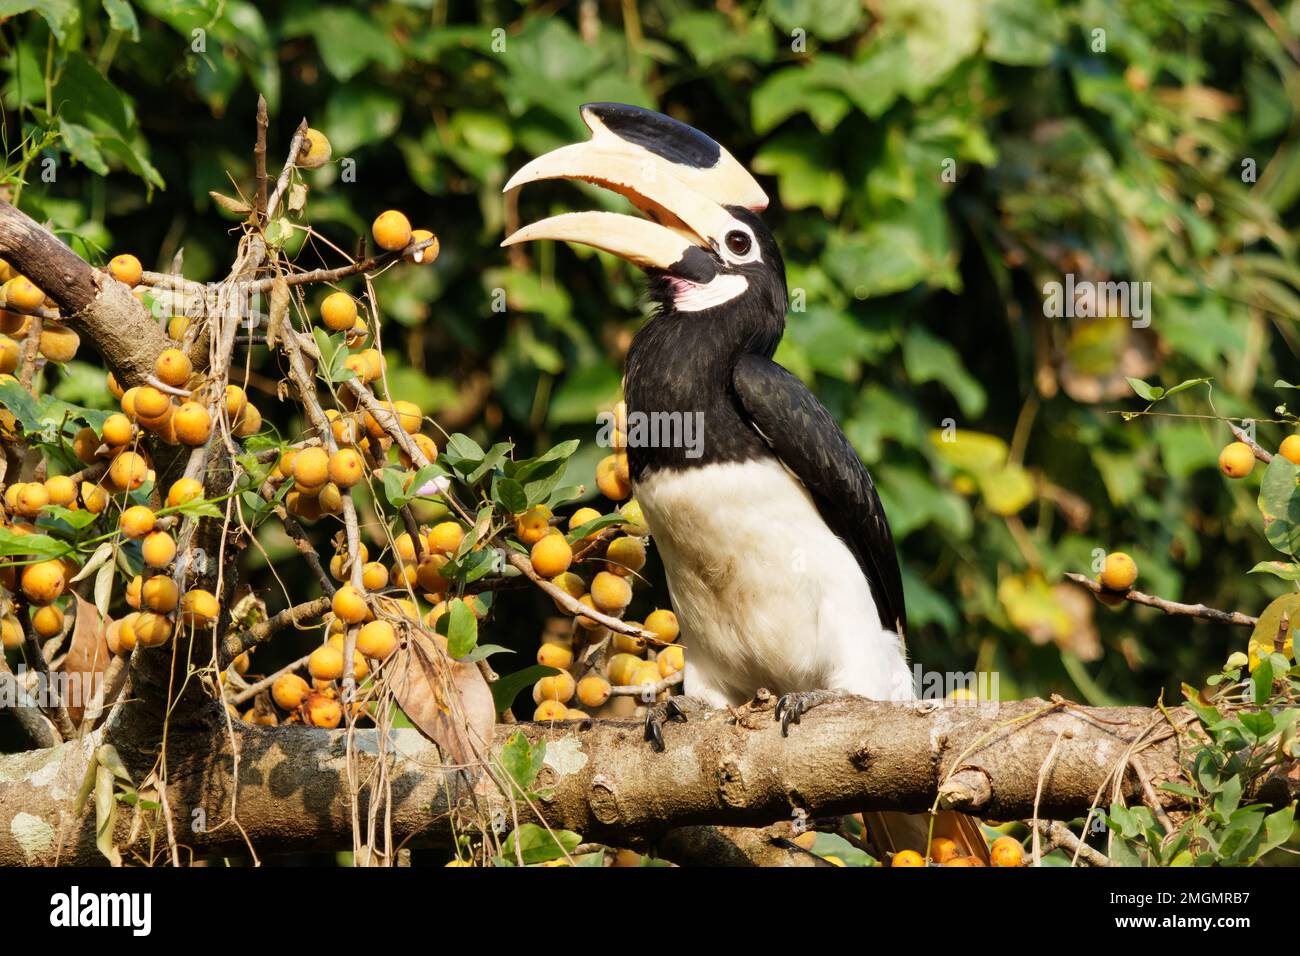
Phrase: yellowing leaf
[1262,637]
[971,451]
[1033,608]
[1006,490]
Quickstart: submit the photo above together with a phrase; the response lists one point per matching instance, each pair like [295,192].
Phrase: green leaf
[538,845]
[122,17]
[61,15]
[1286,570]
[522,760]
[592,526]
[462,629]
[30,545]
[507,687]
[509,493]
[1279,503]
[1152,393]
[493,457]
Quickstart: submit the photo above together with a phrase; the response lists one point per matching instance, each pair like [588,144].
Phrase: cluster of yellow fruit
[19,298]
[1005,851]
[599,668]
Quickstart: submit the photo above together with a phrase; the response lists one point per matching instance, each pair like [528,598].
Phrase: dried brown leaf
[449,701]
[88,655]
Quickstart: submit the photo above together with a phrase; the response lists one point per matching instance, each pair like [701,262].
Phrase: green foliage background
[1117,154]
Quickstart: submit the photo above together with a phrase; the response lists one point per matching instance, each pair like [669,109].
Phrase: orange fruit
[533,525]
[117,430]
[664,624]
[289,691]
[339,311]
[552,555]
[173,367]
[349,605]
[137,521]
[907,858]
[1119,572]
[626,555]
[345,467]
[593,690]
[151,629]
[611,593]
[311,468]
[377,640]
[608,480]
[430,252]
[47,621]
[551,710]
[58,342]
[193,424]
[158,548]
[159,594]
[126,268]
[1006,851]
[555,687]
[392,230]
[128,471]
[184,490]
[316,152]
[199,608]
[1237,460]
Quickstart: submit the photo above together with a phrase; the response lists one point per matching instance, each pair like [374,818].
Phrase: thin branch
[1169,607]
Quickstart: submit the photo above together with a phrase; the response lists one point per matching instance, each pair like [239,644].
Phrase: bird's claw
[791,707]
[674,708]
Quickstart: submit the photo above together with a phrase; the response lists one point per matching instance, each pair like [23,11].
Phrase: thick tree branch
[720,769]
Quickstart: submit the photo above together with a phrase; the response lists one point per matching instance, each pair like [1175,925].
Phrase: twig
[1061,835]
[1150,796]
[1169,607]
[1245,439]
[259,159]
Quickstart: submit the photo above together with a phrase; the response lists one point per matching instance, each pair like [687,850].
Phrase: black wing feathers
[808,441]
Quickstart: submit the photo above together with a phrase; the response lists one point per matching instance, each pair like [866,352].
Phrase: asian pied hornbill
[778,555]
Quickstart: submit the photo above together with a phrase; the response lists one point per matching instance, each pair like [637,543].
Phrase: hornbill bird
[825,614]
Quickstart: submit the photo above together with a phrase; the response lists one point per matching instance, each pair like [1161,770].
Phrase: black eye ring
[738,242]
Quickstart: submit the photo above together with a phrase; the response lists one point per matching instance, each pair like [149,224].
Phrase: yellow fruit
[427,446]
[346,467]
[533,524]
[570,583]
[551,710]
[646,672]
[1119,572]
[61,490]
[339,311]
[1006,851]
[158,548]
[289,690]
[404,546]
[1290,449]
[581,517]
[377,640]
[555,687]
[1237,460]
[133,591]
[86,442]
[177,326]
[31,498]
[249,422]
[374,576]
[409,416]
[392,230]
[907,858]
[58,342]
[445,537]
[128,471]
[321,710]
[126,268]
[593,690]
[311,468]
[159,594]
[11,633]
[552,555]
[671,660]
[622,668]
[151,629]
[151,403]
[9,354]
[611,593]
[316,150]
[184,490]
[325,663]
[117,430]
[609,482]
[173,367]
[236,401]
[47,621]
[625,555]
[22,295]
[137,521]
[664,624]
[93,497]
[199,608]
[634,519]
[349,605]
[583,620]
[552,654]
[943,849]
[127,401]
[430,252]
[193,424]
[629,644]
[429,573]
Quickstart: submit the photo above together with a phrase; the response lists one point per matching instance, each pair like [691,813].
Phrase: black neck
[682,363]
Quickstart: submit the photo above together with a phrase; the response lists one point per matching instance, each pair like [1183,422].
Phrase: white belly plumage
[766,594]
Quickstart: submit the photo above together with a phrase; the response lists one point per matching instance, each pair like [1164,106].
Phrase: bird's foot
[676,707]
[791,707]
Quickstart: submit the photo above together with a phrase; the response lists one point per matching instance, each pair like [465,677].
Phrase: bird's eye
[738,242]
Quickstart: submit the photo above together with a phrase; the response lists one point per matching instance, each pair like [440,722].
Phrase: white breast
[766,594]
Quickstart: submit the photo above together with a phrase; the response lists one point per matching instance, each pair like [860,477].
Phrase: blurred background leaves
[934,163]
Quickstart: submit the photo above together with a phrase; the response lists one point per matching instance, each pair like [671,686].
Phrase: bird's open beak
[680,178]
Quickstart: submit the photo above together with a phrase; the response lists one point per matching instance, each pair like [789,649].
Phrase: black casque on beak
[680,178]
